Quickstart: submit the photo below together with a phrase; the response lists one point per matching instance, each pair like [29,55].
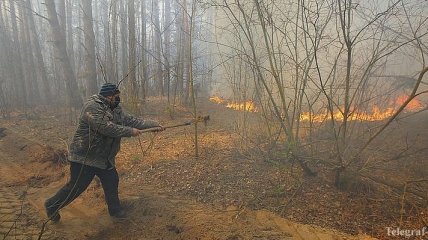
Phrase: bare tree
[144,66]
[33,94]
[90,64]
[69,27]
[108,50]
[158,43]
[180,57]
[167,51]
[20,87]
[192,16]
[73,98]
[114,41]
[132,50]
[6,67]
[40,63]
[124,38]
[62,18]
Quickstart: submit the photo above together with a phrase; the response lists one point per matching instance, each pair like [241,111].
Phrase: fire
[217,99]
[376,113]
[247,106]
[413,105]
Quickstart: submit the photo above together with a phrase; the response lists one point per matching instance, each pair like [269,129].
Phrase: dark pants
[80,178]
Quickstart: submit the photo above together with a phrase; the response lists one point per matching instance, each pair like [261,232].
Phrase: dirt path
[18,219]
[24,168]
[27,179]
[164,217]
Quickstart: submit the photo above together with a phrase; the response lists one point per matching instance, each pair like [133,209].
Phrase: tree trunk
[21,90]
[114,40]
[158,39]
[61,14]
[7,68]
[70,43]
[190,73]
[109,69]
[132,48]
[179,66]
[79,54]
[40,63]
[74,100]
[90,64]
[124,37]
[144,70]
[167,39]
[33,93]
[96,17]
[185,52]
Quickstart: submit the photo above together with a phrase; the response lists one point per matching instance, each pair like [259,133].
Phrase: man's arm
[97,119]
[131,121]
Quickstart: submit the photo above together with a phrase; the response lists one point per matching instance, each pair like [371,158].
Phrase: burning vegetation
[376,113]
[247,106]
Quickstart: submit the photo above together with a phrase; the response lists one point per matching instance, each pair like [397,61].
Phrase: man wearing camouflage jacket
[96,142]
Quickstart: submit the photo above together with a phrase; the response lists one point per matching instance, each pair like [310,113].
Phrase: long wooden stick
[166,127]
[204,119]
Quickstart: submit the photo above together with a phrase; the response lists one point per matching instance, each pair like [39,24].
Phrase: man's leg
[80,178]
[110,182]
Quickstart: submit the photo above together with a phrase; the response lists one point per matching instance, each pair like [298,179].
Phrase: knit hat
[109,89]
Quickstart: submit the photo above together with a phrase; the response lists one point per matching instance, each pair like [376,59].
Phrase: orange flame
[247,106]
[412,106]
[376,114]
[217,99]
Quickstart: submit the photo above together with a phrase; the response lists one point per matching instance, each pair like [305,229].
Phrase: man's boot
[119,214]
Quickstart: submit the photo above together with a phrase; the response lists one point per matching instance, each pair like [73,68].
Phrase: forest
[291,119]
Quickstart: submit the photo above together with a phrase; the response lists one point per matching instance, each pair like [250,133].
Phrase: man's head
[111,92]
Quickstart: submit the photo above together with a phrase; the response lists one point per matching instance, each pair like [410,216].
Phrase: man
[93,150]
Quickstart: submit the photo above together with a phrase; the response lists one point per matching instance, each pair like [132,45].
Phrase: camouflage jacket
[97,138]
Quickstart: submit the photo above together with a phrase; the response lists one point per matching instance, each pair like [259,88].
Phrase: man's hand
[136,132]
